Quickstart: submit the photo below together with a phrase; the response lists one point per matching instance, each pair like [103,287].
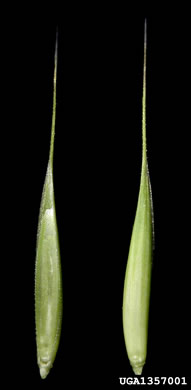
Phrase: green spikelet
[48,281]
[136,295]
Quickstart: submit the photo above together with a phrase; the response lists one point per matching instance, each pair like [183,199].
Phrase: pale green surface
[48,283]
[138,273]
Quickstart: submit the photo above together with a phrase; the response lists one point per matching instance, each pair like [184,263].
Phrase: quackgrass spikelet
[136,295]
[48,280]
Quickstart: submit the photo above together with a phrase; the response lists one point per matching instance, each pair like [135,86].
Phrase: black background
[97,165]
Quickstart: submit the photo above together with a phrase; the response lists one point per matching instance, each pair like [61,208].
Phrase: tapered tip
[145,32]
[44,372]
[137,370]
[137,364]
[56,57]
[56,45]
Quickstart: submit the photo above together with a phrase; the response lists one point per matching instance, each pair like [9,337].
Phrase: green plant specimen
[136,295]
[48,281]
